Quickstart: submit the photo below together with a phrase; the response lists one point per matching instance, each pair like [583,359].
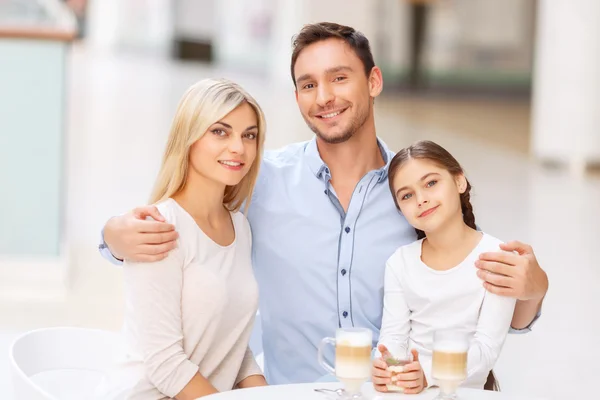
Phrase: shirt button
[345,314]
[325,192]
[347,229]
[343,272]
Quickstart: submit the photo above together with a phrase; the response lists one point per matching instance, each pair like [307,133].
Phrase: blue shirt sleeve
[105,252]
[527,329]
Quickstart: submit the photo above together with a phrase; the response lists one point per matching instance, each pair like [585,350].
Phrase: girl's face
[427,194]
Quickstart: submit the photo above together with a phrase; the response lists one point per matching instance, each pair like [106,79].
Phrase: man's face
[332,90]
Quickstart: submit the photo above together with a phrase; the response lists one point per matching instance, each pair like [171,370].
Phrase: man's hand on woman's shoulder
[134,237]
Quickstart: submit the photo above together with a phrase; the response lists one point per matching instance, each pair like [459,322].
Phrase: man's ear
[375,82]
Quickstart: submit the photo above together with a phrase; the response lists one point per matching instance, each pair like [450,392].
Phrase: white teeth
[231,163]
[330,115]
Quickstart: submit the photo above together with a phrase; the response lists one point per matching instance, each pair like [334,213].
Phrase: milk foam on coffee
[355,339]
[449,361]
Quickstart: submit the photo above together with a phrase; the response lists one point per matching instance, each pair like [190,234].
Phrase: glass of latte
[352,359]
[449,364]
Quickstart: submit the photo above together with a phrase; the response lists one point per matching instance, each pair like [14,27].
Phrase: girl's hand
[380,376]
[413,378]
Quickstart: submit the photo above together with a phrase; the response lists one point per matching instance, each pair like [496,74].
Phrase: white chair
[60,363]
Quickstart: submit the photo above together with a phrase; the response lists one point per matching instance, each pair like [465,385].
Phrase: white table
[306,392]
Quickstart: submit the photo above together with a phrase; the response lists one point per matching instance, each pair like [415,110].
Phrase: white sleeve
[395,324]
[153,292]
[492,328]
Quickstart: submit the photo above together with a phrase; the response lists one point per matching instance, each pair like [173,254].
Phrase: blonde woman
[188,317]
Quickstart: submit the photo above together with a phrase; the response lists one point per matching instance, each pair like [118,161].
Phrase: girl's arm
[395,325]
[492,327]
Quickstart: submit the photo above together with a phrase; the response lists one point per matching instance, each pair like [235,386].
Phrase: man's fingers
[519,247]
[153,227]
[148,211]
[495,279]
[159,238]
[500,257]
[495,267]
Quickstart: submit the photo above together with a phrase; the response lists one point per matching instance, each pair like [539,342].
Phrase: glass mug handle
[324,364]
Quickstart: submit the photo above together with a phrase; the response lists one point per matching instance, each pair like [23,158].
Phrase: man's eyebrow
[332,70]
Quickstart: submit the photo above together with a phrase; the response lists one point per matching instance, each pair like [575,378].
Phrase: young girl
[431,284]
[188,317]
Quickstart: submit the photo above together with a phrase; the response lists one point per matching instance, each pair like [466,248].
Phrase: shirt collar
[321,171]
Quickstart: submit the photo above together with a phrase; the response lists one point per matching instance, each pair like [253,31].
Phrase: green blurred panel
[32,92]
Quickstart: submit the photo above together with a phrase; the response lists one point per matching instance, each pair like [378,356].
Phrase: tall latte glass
[449,367]
[352,359]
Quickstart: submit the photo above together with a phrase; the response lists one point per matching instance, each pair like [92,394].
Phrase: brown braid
[467,208]
[428,150]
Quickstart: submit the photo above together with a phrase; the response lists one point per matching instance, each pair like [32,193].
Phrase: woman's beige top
[192,312]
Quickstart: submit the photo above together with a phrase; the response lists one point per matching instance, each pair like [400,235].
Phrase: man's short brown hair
[314,33]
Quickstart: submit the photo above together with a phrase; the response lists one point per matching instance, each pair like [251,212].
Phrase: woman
[188,317]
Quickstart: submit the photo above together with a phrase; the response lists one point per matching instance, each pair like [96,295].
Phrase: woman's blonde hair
[203,104]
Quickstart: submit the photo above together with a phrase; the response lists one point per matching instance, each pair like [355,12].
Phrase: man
[323,218]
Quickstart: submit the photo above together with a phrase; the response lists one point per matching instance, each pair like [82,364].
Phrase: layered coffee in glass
[352,359]
[449,364]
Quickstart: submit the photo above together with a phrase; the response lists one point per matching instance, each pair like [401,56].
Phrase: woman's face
[226,151]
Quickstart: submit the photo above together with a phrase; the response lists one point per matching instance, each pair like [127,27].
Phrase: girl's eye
[251,136]
[218,132]
[406,196]
[431,183]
